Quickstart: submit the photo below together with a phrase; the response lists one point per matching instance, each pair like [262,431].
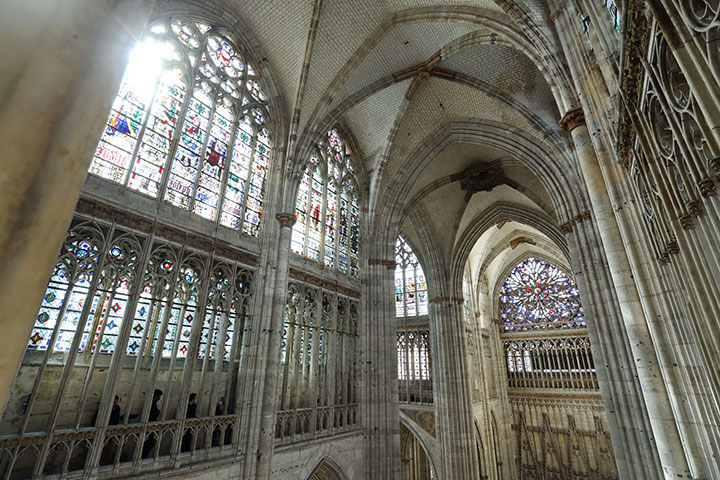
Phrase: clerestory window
[189,125]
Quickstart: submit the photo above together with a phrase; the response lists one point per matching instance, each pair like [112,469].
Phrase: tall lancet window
[410,285]
[189,125]
[413,332]
[327,227]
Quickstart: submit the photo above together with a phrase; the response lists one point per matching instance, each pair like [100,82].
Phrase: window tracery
[89,297]
[538,295]
[318,362]
[326,208]
[413,341]
[410,285]
[189,124]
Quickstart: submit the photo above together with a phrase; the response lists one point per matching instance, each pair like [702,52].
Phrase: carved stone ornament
[520,240]
[695,208]
[687,222]
[707,187]
[482,177]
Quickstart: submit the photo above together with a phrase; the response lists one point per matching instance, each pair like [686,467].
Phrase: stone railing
[309,423]
[118,451]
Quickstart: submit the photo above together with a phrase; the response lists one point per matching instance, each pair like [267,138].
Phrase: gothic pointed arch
[327,469]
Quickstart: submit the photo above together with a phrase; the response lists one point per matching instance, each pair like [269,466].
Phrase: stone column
[61,74]
[377,372]
[272,361]
[451,385]
[657,403]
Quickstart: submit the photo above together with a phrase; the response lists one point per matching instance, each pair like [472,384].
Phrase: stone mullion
[692,162]
[194,342]
[323,212]
[69,362]
[141,133]
[173,353]
[46,358]
[286,385]
[214,314]
[118,357]
[170,158]
[694,267]
[313,390]
[157,356]
[237,347]
[331,354]
[220,349]
[203,151]
[702,78]
[105,313]
[226,170]
[294,357]
[408,376]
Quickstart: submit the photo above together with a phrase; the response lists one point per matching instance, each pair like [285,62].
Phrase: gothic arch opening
[416,462]
[327,470]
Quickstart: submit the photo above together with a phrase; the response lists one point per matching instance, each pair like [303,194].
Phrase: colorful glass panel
[151,105]
[334,234]
[410,285]
[190,148]
[315,216]
[152,154]
[297,243]
[539,295]
[330,214]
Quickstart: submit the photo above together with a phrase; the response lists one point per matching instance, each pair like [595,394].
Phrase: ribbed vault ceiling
[340,62]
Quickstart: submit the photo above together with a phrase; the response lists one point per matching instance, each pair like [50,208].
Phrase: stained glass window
[539,295]
[413,354]
[326,208]
[410,284]
[88,299]
[190,124]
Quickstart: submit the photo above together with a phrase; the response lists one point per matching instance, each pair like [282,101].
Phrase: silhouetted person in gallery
[191,411]
[114,413]
[219,410]
[154,415]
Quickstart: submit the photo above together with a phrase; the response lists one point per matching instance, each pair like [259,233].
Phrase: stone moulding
[104,212]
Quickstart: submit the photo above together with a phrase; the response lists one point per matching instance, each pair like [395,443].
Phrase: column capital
[286,219]
[389,264]
[572,119]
